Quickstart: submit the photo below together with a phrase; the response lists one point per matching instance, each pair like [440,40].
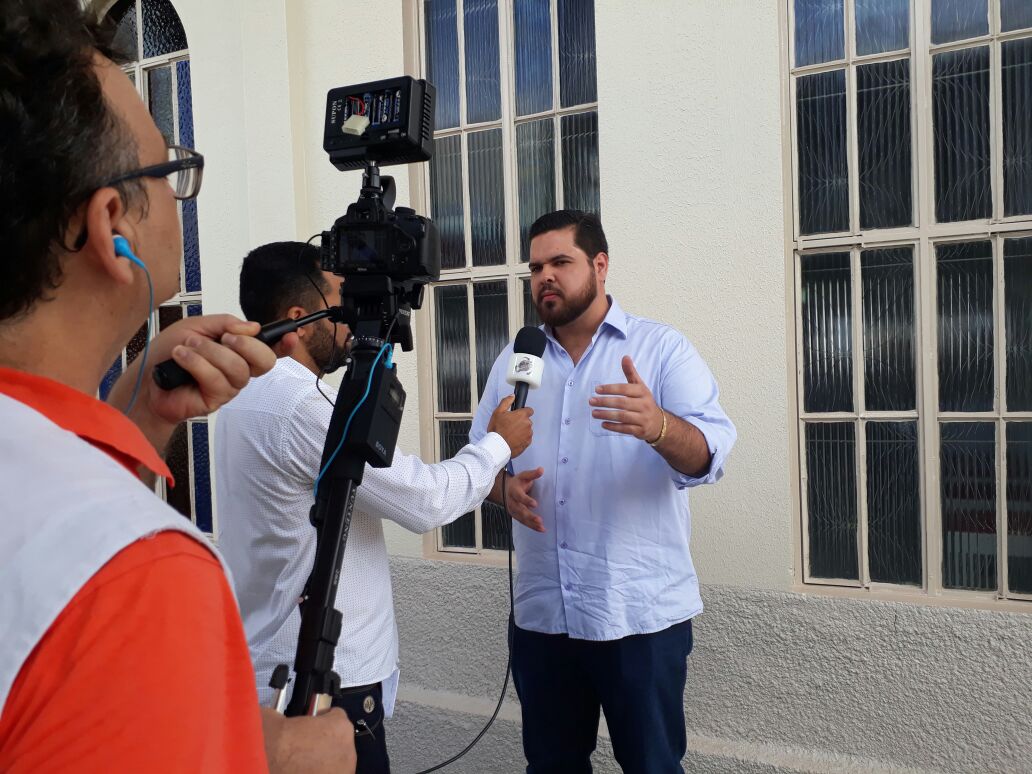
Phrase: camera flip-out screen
[389,122]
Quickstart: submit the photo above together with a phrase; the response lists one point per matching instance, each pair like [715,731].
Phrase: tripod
[363,429]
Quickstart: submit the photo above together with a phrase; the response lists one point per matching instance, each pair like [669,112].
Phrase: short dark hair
[280,275]
[588,234]
[62,140]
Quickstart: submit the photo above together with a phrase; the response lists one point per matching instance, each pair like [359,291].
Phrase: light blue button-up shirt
[614,558]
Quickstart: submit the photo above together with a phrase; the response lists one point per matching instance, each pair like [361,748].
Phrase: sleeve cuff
[497,449]
[717,456]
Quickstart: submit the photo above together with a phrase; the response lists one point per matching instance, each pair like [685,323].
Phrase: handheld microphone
[526,365]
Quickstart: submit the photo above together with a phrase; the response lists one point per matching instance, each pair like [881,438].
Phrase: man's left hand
[628,408]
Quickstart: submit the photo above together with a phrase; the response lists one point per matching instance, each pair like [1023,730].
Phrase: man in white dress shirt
[268,446]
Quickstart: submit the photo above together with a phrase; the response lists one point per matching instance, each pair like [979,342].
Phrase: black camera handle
[169,374]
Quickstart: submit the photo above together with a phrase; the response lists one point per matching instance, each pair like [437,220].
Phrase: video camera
[387,255]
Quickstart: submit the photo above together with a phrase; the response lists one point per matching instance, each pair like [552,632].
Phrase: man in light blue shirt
[627,419]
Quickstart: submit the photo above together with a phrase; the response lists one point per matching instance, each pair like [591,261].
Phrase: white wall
[339,44]
[692,207]
[691,201]
[261,70]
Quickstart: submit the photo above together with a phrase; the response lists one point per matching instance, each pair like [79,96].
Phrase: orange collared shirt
[147,668]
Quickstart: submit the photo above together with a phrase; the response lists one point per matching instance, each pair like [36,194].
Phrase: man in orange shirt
[121,647]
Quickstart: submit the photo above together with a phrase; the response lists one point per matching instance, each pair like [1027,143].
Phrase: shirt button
[567,586]
[562,502]
[563,544]
[570,383]
[566,421]
[565,460]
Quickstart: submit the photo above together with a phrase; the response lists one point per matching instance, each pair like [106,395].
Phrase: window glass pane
[167,315]
[201,468]
[960,117]
[483,86]
[577,52]
[1015,14]
[532,22]
[442,59]
[968,489]
[883,130]
[191,282]
[193,310]
[446,200]
[831,499]
[177,457]
[496,526]
[486,197]
[124,17]
[1019,506]
[159,100]
[1017,282]
[888,292]
[1017,126]
[819,33]
[135,345]
[579,140]
[491,320]
[530,315]
[191,243]
[535,170]
[827,333]
[965,323]
[893,503]
[184,100]
[959,19]
[823,171]
[110,378]
[162,30]
[462,531]
[452,348]
[882,25]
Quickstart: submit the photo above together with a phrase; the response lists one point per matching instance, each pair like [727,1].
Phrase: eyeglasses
[183,170]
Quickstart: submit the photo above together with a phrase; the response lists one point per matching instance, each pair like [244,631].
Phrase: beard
[563,310]
[327,354]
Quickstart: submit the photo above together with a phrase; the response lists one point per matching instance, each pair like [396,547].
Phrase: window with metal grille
[911,189]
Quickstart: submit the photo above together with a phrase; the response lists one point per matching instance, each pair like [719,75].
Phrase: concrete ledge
[778,680]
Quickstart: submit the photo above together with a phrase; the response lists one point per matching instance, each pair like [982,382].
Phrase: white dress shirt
[268,445]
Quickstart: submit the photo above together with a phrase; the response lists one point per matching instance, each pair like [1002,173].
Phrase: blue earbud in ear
[122,248]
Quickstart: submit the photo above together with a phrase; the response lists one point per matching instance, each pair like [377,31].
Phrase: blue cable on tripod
[347,425]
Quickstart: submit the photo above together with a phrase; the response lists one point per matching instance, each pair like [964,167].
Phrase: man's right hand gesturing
[514,426]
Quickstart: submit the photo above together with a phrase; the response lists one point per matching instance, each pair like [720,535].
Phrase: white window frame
[923,236]
[514,272]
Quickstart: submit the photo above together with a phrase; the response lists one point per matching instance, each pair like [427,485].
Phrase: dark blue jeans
[638,681]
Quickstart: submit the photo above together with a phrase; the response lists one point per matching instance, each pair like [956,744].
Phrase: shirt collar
[97,423]
[615,318]
[297,369]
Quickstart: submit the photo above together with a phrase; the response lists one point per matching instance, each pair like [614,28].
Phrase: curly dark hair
[61,140]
